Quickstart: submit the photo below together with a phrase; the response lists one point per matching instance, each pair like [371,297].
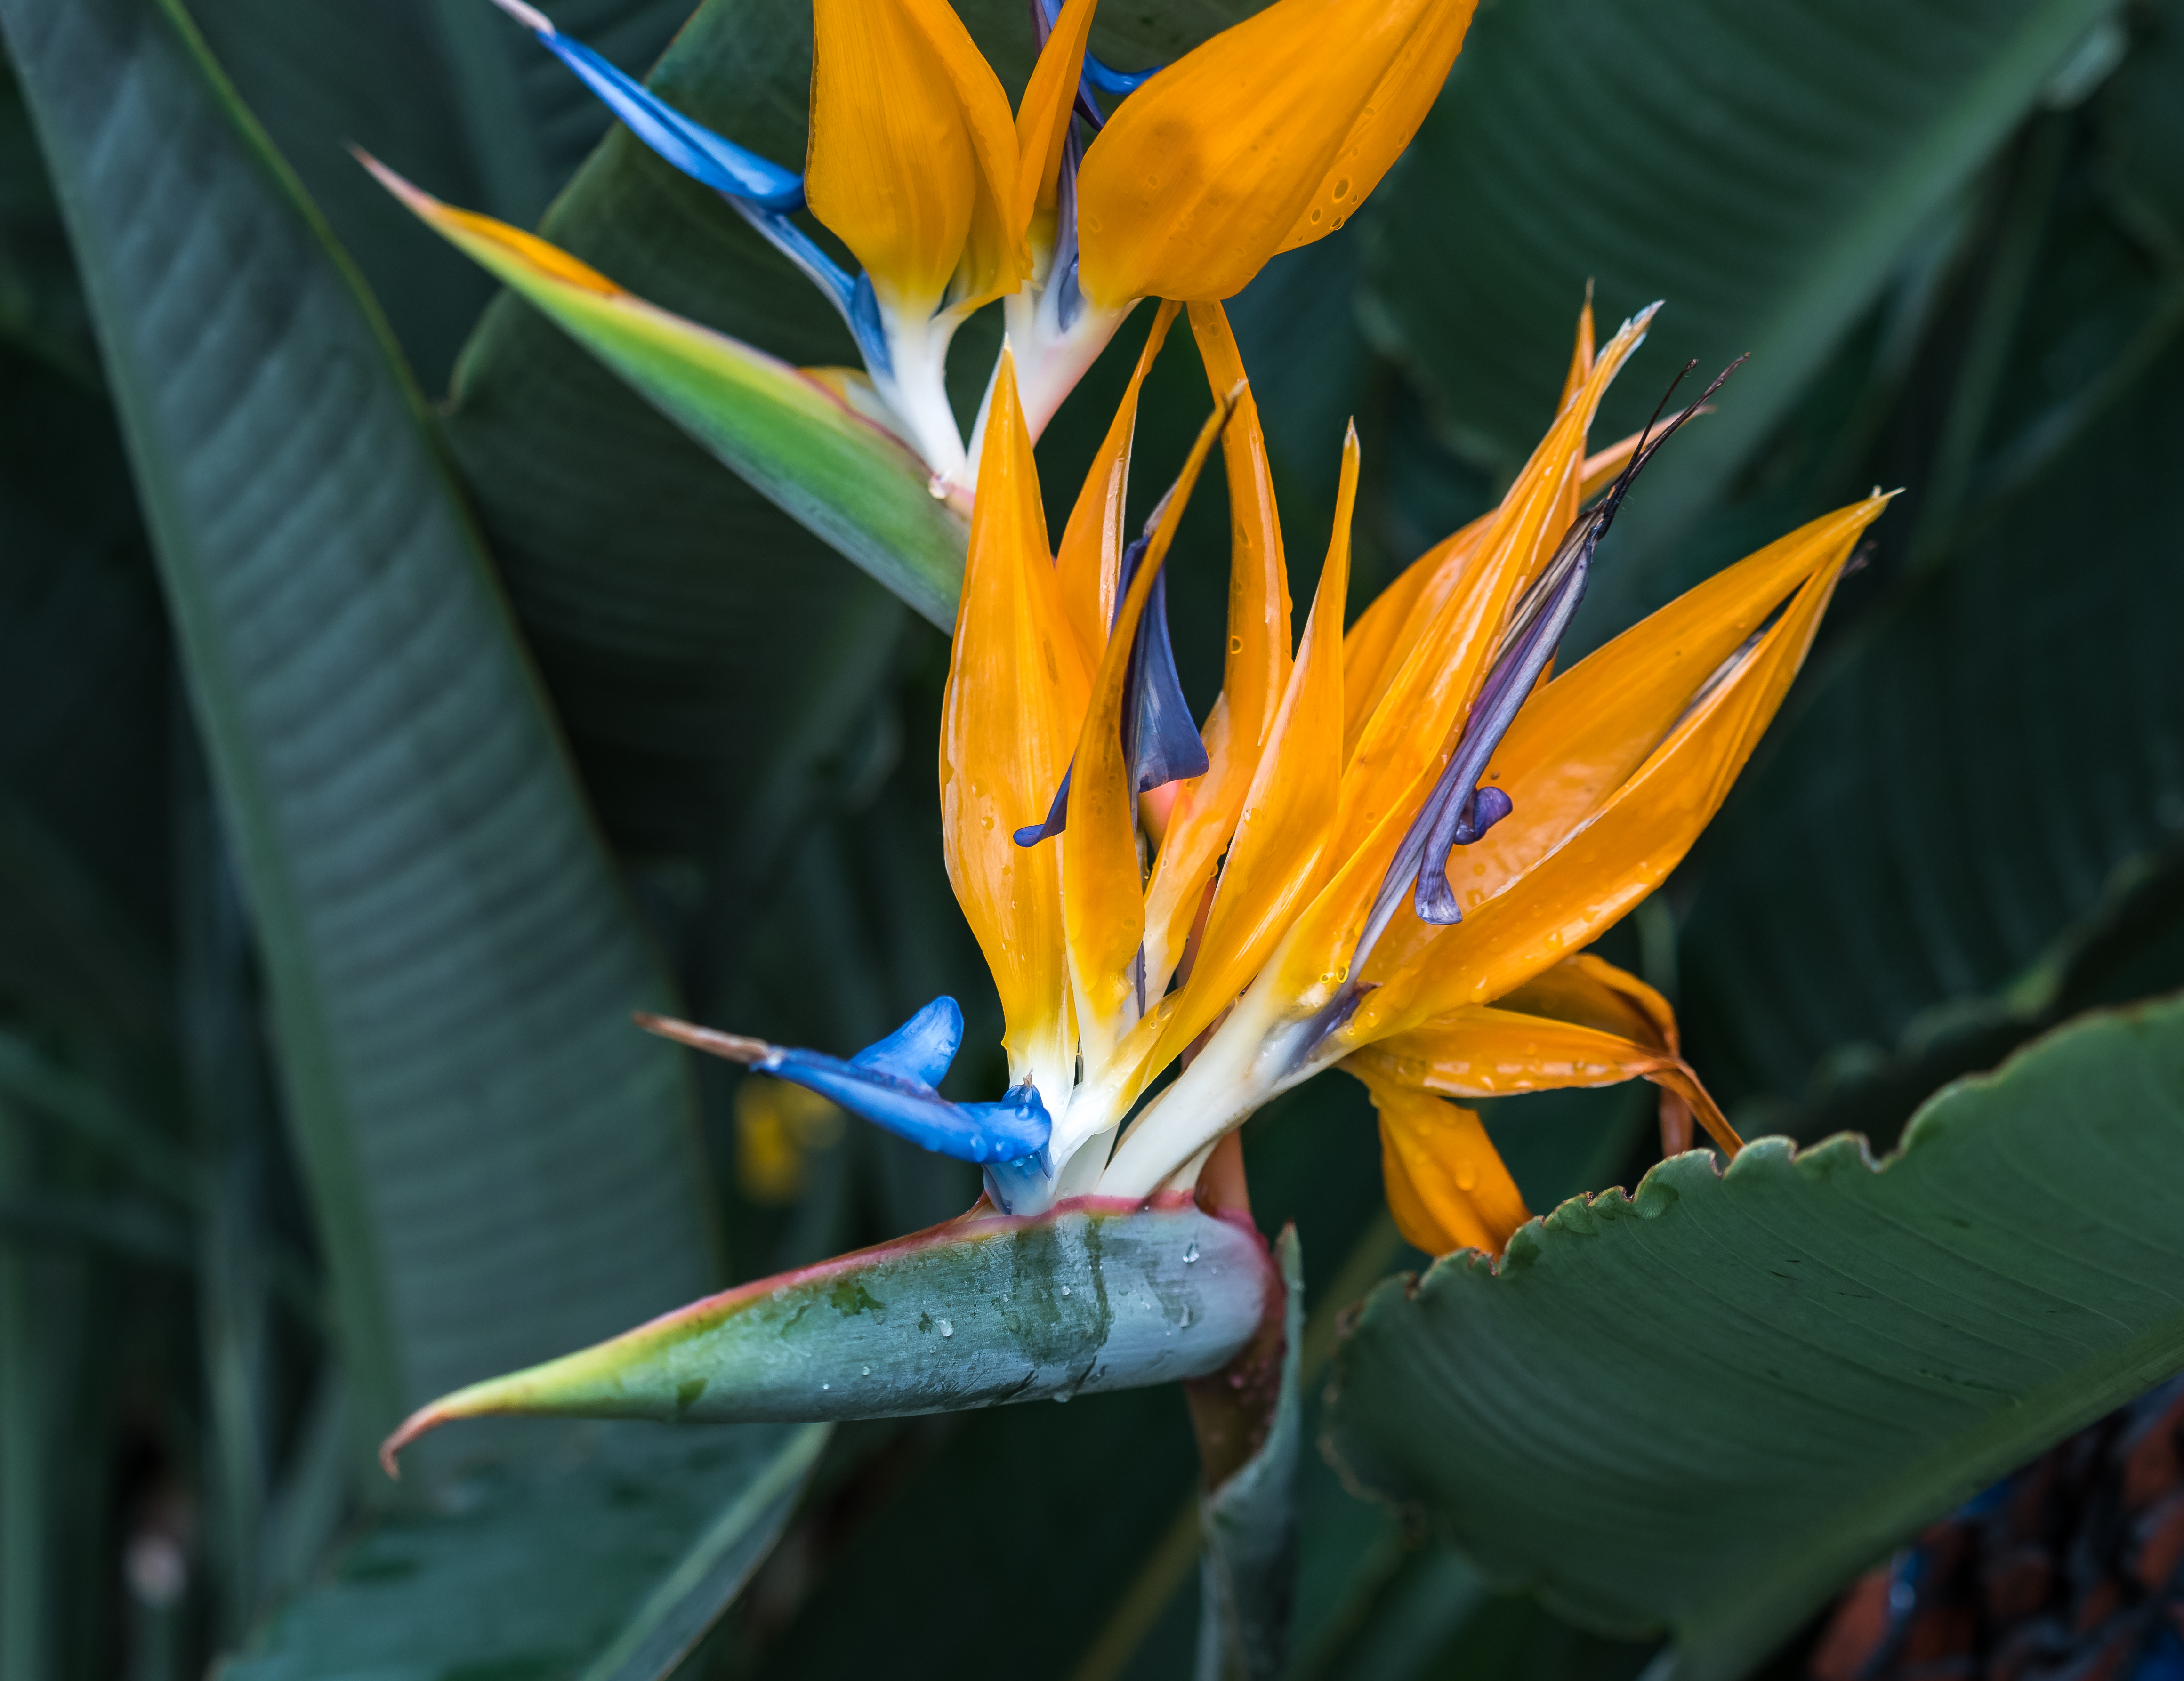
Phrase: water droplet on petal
[1190,1255]
[826,1386]
[867,1371]
[947,1327]
[1064,1290]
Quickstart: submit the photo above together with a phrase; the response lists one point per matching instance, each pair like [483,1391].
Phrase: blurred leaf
[450,963]
[1706,1406]
[608,1564]
[1761,169]
[85,699]
[449,91]
[1982,795]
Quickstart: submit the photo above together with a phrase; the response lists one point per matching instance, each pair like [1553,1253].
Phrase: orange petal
[1093,542]
[1017,695]
[1581,736]
[1597,874]
[1381,640]
[1102,890]
[1475,1052]
[913,154]
[1257,668]
[1269,134]
[1043,119]
[1279,858]
[1405,741]
[1446,1184]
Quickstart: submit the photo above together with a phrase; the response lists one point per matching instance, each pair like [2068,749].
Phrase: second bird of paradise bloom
[1386,851]
[1264,138]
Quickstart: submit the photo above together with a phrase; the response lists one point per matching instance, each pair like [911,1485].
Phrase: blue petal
[920,1049]
[1159,738]
[977,1133]
[1459,811]
[692,148]
[1026,1182]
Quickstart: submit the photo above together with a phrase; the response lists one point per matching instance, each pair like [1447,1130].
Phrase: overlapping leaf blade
[1704,1406]
[501,1167]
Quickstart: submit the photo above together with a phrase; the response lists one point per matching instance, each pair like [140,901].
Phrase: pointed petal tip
[529,16]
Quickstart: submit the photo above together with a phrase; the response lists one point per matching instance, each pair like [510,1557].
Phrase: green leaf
[1706,1406]
[598,1552]
[1764,169]
[1094,1295]
[451,964]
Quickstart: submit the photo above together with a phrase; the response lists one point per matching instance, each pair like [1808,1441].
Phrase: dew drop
[1064,1290]
[826,1386]
[1316,213]
[867,1371]
[1342,187]
[1190,1255]
[947,1327]
[1235,644]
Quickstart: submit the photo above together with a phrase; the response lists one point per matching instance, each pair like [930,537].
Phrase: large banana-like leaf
[1703,1406]
[1762,168]
[501,1167]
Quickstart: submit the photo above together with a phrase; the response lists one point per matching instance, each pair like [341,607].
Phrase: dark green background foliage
[390,700]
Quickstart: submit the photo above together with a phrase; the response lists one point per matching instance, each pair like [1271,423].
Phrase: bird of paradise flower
[1388,845]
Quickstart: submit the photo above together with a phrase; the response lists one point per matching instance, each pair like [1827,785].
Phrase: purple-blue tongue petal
[1159,737]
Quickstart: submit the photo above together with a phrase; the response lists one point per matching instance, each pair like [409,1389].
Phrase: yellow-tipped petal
[1043,119]
[1257,672]
[1598,874]
[1279,858]
[1269,134]
[1093,542]
[1017,695]
[1581,736]
[1446,1184]
[913,154]
[1102,891]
